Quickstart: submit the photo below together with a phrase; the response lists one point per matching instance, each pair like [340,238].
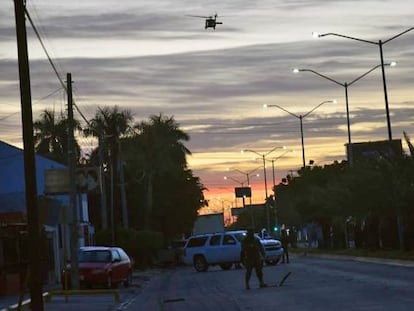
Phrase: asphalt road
[314,284]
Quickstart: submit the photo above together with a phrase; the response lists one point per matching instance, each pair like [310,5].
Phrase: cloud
[155,58]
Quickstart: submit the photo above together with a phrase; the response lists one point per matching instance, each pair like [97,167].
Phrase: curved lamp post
[248,173]
[345,85]
[235,180]
[380,43]
[273,165]
[263,156]
[301,117]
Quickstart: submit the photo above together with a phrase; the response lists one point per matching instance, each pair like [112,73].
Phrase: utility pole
[36,283]
[123,193]
[74,236]
[104,215]
[122,190]
[115,185]
[112,214]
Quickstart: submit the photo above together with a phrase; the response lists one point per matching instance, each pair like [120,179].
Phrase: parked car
[101,265]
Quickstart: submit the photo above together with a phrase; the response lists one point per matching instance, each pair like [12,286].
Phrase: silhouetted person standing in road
[253,254]
[285,244]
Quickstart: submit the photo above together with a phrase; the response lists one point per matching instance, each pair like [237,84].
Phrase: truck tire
[200,263]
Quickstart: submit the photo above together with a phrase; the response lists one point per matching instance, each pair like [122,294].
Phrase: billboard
[57,180]
[375,149]
[243,192]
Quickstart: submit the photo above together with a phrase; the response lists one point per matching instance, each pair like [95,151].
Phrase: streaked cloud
[152,57]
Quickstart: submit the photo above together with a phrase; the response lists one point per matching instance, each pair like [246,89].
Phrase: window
[115,255]
[95,256]
[240,236]
[197,242]
[123,255]
[215,240]
[228,240]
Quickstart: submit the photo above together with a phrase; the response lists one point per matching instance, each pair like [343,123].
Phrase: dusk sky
[151,57]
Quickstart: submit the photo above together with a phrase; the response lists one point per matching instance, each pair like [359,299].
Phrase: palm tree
[51,136]
[108,125]
[161,144]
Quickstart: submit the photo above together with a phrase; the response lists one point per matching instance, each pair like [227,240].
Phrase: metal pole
[264,172]
[104,213]
[112,214]
[250,201]
[274,192]
[349,149]
[347,113]
[122,189]
[267,205]
[303,145]
[74,236]
[29,159]
[248,184]
[384,82]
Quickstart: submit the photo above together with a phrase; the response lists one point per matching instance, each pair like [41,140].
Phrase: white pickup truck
[224,249]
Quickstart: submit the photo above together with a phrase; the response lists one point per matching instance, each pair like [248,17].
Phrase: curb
[392,262]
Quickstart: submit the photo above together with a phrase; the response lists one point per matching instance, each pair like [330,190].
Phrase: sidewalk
[393,262]
[9,301]
[98,300]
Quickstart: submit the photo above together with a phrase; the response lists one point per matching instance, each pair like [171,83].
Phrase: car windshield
[95,256]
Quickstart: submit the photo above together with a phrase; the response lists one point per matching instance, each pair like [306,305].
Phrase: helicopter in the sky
[211,21]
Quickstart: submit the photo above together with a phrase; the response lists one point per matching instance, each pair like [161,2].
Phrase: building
[53,215]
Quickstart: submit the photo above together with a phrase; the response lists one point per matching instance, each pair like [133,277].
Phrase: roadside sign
[57,181]
[243,192]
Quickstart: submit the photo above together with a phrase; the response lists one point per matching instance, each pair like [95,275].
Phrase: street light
[273,165]
[380,43]
[247,173]
[263,156]
[301,117]
[345,85]
[235,180]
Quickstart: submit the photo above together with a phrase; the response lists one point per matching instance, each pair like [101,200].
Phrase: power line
[36,102]
[51,62]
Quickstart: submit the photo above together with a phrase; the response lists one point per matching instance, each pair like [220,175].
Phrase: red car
[101,265]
